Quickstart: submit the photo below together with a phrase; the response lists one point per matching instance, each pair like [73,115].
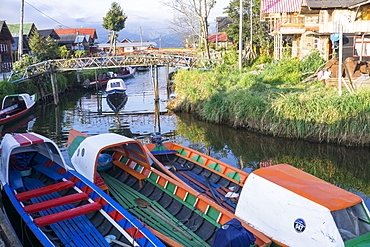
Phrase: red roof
[222,37]
[85,31]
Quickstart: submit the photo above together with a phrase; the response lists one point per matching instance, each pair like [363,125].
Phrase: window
[361,45]
[365,12]
[352,222]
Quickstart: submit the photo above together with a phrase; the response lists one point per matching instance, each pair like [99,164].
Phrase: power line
[51,18]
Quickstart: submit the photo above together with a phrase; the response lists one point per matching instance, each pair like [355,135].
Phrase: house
[299,26]
[77,43]
[127,46]
[6,41]
[46,33]
[350,17]
[28,30]
[219,40]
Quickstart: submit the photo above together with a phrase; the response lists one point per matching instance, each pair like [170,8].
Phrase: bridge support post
[54,86]
[168,80]
[155,83]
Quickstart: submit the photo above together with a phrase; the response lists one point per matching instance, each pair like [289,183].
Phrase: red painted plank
[44,190]
[22,140]
[68,214]
[55,202]
[33,138]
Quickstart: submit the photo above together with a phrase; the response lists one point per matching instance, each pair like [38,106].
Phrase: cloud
[150,15]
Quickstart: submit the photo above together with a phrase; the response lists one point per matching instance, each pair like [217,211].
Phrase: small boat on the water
[15,106]
[291,207]
[116,86]
[142,68]
[125,72]
[101,81]
[25,123]
[116,101]
[173,211]
[49,204]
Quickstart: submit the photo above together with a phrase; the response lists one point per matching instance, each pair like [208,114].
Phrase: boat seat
[73,227]
[128,169]
[55,202]
[67,214]
[44,190]
[49,172]
[16,180]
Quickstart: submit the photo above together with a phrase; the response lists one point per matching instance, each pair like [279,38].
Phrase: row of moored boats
[119,192]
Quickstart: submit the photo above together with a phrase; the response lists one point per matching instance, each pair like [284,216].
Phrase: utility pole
[240,34]
[251,19]
[216,34]
[340,58]
[141,39]
[20,39]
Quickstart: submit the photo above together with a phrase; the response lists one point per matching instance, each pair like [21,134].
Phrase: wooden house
[28,30]
[6,41]
[72,38]
[75,42]
[299,26]
[46,33]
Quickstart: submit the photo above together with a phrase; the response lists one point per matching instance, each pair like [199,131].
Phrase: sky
[149,16]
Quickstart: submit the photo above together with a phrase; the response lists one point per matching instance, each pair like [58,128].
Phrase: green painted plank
[198,158]
[213,213]
[170,188]
[182,152]
[234,175]
[215,166]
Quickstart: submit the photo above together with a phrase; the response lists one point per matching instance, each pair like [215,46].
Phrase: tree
[190,10]
[64,52]
[43,49]
[114,21]
[260,30]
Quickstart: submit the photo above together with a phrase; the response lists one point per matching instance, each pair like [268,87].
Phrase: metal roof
[319,4]
[5,33]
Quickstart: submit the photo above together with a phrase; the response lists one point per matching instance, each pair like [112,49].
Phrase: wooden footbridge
[85,63]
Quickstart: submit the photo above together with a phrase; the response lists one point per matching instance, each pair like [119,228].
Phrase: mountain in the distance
[163,40]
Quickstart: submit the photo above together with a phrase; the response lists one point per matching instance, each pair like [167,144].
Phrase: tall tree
[114,21]
[198,10]
[43,48]
[260,30]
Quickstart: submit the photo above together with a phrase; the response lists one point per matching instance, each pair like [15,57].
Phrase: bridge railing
[112,62]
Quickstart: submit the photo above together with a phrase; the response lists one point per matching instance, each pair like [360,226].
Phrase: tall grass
[275,102]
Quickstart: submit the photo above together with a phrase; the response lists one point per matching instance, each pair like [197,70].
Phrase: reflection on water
[21,124]
[90,113]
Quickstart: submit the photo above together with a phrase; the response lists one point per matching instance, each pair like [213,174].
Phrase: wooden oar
[144,204]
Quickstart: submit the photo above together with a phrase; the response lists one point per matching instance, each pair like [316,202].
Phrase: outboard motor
[156,138]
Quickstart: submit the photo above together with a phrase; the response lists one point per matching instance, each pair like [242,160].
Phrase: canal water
[90,113]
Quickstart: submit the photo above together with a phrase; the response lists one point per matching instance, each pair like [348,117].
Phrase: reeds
[275,102]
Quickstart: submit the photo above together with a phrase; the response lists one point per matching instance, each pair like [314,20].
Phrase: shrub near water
[275,102]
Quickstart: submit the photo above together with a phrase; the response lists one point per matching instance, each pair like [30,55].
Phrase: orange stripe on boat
[309,186]
[180,193]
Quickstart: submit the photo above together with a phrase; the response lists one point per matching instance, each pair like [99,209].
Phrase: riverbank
[275,102]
